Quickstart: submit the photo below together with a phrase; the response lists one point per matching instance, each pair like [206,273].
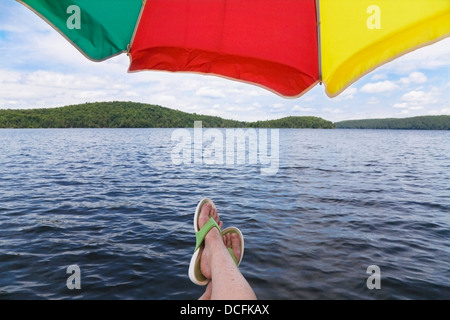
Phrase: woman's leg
[229,240]
[227,282]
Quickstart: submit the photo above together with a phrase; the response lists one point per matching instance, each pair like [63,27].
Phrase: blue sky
[39,68]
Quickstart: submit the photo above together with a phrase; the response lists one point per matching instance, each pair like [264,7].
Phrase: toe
[204,214]
[214,213]
[236,245]
[227,240]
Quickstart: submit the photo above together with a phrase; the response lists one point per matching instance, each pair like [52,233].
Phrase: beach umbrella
[286,46]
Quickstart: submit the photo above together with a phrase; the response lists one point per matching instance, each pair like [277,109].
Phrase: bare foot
[215,261]
[212,238]
[232,240]
[208,211]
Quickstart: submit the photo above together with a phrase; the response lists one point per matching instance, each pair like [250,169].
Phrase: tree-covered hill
[413,123]
[294,122]
[135,115]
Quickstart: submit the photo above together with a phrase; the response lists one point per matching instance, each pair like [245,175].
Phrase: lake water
[114,203]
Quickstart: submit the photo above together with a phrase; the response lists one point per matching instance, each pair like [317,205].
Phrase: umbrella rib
[319,46]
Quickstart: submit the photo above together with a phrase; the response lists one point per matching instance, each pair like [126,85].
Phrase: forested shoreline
[413,123]
[120,114]
[136,115]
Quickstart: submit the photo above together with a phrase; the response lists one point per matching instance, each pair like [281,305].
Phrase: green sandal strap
[232,255]
[201,234]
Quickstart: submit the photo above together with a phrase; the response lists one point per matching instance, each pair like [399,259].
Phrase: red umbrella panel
[269,43]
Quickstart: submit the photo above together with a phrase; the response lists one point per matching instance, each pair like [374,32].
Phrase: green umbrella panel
[99,29]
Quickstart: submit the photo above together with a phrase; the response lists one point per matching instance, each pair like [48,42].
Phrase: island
[441,122]
[118,114]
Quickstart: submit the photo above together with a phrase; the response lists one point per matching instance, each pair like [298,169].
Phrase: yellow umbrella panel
[360,35]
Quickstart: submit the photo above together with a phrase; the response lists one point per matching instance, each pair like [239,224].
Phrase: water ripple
[112,202]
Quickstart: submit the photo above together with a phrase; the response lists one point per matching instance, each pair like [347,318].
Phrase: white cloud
[416,100]
[379,76]
[131,94]
[430,57]
[8,76]
[92,94]
[418,97]
[443,111]
[208,92]
[381,86]
[302,109]
[414,78]
[333,111]
[70,81]
[401,105]
[373,101]
[348,94]
[278,106]
[415,108]
[163,99]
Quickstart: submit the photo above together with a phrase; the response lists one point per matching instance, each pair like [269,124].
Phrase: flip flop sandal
[195,273]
